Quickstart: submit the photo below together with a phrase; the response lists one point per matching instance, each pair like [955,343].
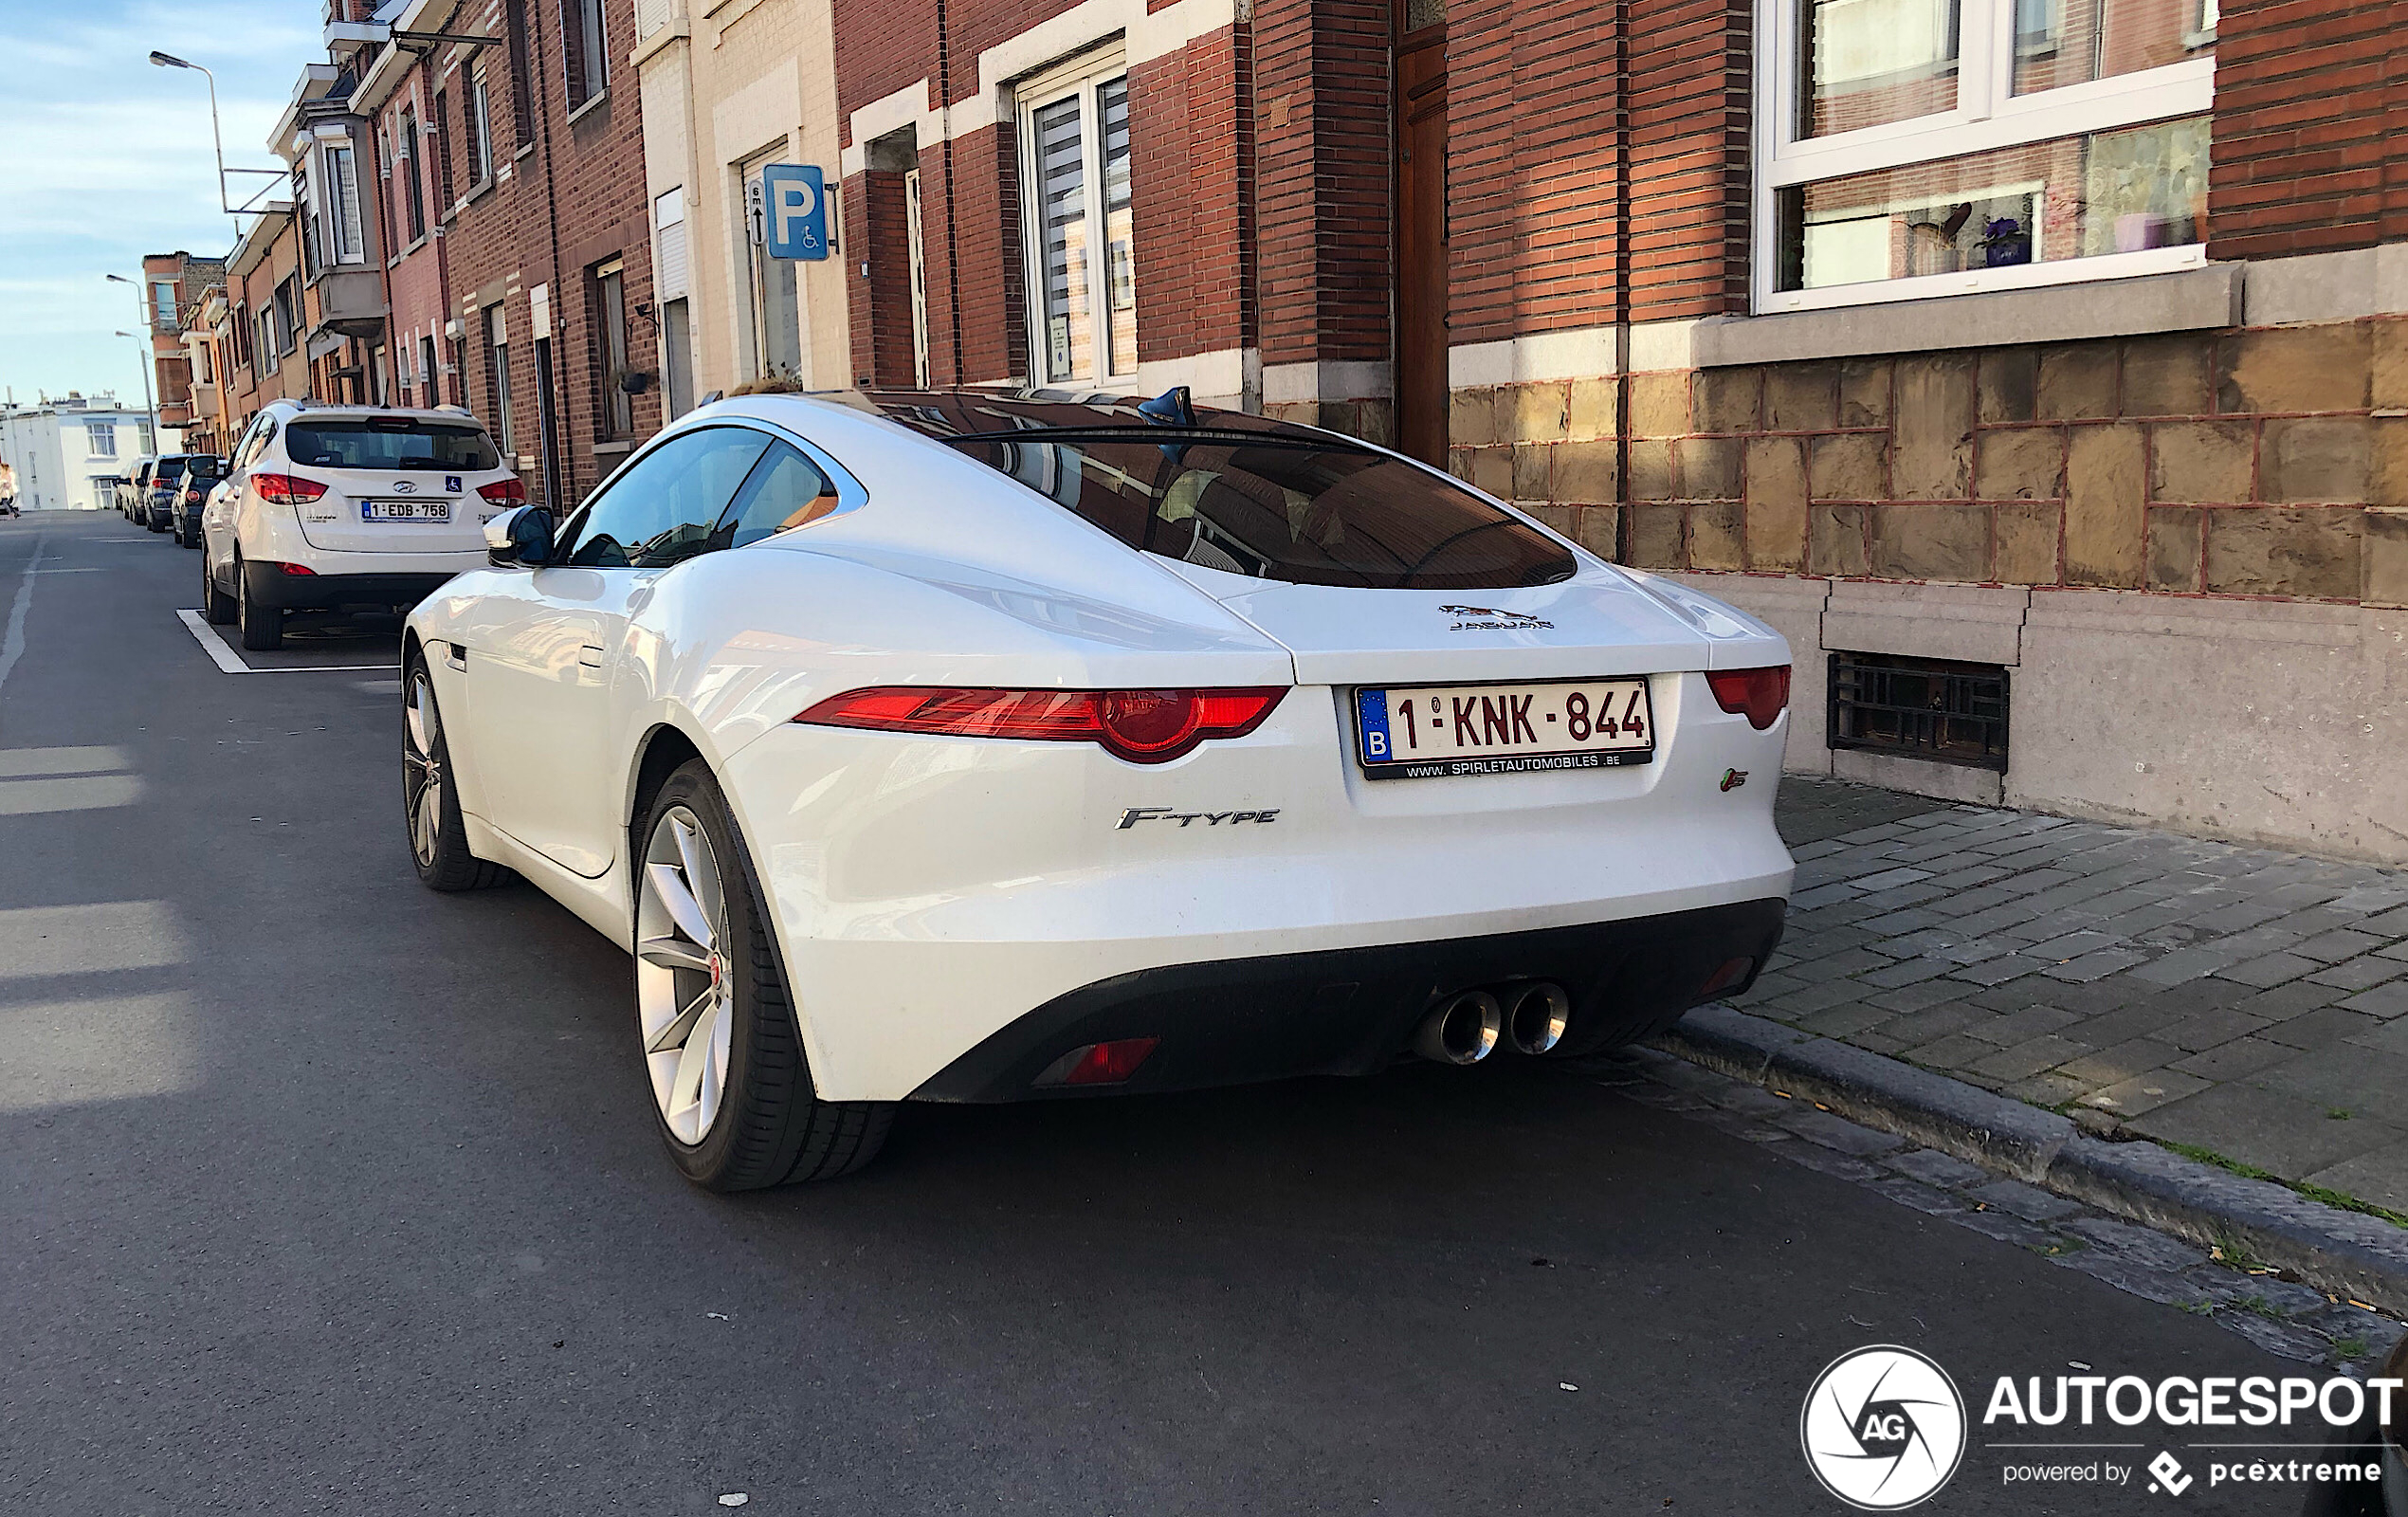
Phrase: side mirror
[520,538]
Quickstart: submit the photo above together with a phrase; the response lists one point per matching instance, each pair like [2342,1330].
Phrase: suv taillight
[505,492]
[287,489]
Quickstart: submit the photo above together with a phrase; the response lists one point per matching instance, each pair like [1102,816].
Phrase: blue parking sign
[794,210]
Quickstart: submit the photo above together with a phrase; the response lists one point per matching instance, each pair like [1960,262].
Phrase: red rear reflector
[287,489]
[1143,726]
[1731,973]
[295,569]
[505,492]
[1760,695]
[1100,1063]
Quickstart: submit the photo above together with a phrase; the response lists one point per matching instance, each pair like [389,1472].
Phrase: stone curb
[2339,1252]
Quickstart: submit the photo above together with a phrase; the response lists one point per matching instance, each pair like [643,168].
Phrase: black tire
[439,850]
[262,628]
[771,1128]
[153,523]
[217,607]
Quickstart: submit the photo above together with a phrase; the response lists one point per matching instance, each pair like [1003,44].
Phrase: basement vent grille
[1927,708]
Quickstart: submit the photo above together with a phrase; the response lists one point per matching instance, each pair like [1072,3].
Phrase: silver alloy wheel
[683,986]
[422,769]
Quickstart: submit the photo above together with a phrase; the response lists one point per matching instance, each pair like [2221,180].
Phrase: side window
[787,490]
[261,432]
[665,506]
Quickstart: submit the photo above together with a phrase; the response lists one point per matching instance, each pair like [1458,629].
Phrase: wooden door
[1420,116]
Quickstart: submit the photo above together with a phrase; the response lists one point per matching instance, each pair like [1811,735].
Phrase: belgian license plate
[1433,731]
[405,510]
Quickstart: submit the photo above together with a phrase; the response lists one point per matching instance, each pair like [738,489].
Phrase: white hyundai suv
[334,508]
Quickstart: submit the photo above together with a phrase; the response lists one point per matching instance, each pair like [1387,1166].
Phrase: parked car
[971,746]
[164,491]
[202,472]
[339,508]
[132,493]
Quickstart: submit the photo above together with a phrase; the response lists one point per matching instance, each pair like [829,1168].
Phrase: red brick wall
[1321,177]
[1188,166]
[2310,153]
[576,200]
[888,318]
[1190,135]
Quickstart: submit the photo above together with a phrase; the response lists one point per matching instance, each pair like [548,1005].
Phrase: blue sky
[104,159]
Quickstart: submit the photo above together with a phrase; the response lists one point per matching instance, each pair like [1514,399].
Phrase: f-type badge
[1164,814]
[1733,778]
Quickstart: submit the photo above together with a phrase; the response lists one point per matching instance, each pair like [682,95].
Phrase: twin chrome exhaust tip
[1529,1017]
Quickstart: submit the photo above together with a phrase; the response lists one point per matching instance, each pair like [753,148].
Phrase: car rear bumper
[1351,1010]
[272,588]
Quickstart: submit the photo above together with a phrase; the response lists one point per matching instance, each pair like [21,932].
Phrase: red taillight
[1143,726]
[287,489]
[1760,695]
[1100,1063]
[505,492]
[296,570]
[1730,972]
[192,497]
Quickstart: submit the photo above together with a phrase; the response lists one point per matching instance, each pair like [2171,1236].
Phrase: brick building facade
[2057,349]
[501,169]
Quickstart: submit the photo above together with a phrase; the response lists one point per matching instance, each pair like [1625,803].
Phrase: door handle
[590,656]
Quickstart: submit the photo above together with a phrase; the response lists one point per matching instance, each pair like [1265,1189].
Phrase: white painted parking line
[229,662]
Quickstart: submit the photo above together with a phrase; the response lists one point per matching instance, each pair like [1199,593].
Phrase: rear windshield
[167,470]
[206,467]
[389,443]
[1296,510]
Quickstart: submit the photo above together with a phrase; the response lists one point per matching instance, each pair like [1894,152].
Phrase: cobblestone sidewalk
[2249,1003]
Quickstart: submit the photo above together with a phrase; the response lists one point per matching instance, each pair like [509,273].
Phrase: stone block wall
[2257,462]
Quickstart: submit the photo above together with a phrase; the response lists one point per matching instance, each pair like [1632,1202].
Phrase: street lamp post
[217,138]
[150,407]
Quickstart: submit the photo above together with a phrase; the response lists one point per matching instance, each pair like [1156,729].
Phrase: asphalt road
[321,1192]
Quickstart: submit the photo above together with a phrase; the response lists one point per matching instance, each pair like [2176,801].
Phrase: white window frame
[1988,115]
[479,105]
[1083,77]
[915,254]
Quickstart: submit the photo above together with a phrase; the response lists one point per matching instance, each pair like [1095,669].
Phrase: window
[498,374]
[204,365]
[777,331]
[163,306]
[406,156]
[617,411]
[400,443]
[103,439]
[480,125]
[666,506]
[1074,149]
[240,327]
[287,314]
[1929,147]
[787,490]
[443,152]
[588,54]
[677,343]
[521,96]
[431,396]
[262,432]
[1919,708]
[1279,507]
[342,204]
